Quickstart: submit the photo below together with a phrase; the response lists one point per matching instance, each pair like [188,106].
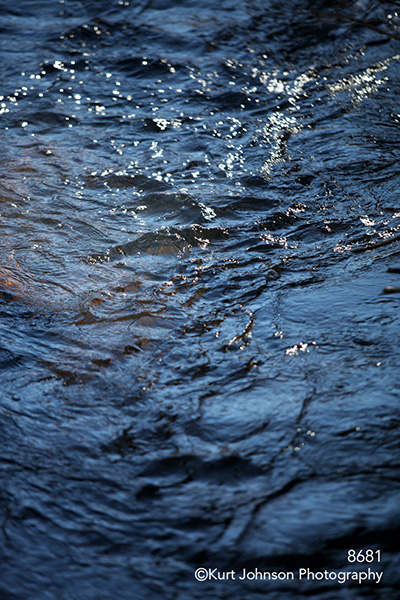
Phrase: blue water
[198,359]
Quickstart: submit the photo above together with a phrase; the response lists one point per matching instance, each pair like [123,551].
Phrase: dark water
[198,209]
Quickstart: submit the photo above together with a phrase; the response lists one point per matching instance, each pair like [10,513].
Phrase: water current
[199,324]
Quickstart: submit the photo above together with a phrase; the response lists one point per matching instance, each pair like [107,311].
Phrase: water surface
[198,367]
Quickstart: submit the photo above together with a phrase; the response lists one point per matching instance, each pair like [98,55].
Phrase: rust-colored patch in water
[7,286]
[11,286]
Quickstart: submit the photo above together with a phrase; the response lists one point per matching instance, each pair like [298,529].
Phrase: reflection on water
[198,210]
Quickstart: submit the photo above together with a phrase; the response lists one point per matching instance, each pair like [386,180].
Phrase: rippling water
[198,365]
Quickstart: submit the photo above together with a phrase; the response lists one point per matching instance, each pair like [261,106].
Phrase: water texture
[198,362]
